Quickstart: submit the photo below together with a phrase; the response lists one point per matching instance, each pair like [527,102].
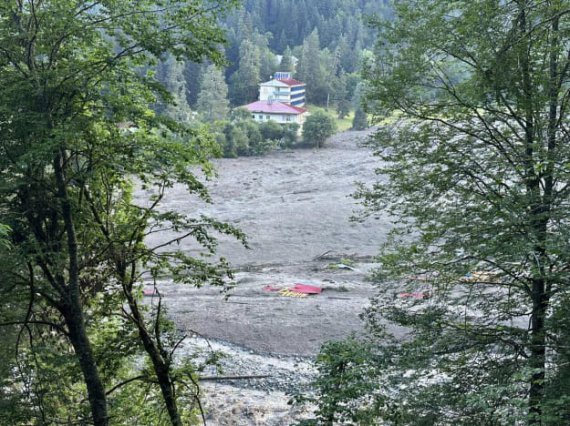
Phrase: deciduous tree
[317,128]
[75,131]
[476,175]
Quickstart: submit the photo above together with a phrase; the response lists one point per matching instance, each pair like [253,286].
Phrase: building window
[260,117]
[253,116]
[267,117]
[288,118]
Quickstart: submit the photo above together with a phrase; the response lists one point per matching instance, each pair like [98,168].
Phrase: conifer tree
[310,69]
[171,74]
[287,61]
[213,97]
[245,81]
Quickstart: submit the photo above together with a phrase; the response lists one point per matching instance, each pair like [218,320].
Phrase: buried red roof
[274,108]
[306,289]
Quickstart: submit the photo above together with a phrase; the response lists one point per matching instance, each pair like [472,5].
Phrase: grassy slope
[341,124]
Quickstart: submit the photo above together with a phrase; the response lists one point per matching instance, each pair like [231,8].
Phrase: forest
[114,116]
[324,44]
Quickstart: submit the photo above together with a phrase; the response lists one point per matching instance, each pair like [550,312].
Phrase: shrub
[317,128]
[271,130]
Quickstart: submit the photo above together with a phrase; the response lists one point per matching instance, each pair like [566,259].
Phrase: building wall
[261,117]
[289,95]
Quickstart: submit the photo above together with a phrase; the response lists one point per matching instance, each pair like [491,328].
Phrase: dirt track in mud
[295,208]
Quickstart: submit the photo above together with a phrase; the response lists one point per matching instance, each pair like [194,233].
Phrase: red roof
[291,82]
[274,108]
[301,110]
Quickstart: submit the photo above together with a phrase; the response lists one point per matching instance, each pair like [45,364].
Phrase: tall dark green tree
[192,79]
[213,97]
[268,63]
[245,81]
[360,120]
[341,95]
[287,61]
[310,69]
[170,73]
[476,173]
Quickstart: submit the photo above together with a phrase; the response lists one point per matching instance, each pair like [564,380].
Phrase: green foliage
[76,133]
[290,135]
[245,81]
[475,171]
[317,128]
[213,97]
[271,130]
[291,21]
[342,96]
[170,73]
[287,61]
[360,120]
[313,69]
[344,391]
[244,137]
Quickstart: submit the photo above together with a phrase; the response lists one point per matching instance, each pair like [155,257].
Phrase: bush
[271,130]
[360,121]
[317,128]
[345,385]
[244,137]
[254,137]
[236,140]
[290,132]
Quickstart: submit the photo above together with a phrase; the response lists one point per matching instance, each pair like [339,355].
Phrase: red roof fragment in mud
[306,289]
[416,295]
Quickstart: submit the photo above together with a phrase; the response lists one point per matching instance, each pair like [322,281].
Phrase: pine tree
[245,81]
[213,97]
[310,69]
[287,61]
[193,77]
[360,120]
[342,96]
[171,74]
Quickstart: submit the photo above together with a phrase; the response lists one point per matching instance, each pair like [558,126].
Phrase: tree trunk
[82,346]
[159,361]
[538,351]
[72,309]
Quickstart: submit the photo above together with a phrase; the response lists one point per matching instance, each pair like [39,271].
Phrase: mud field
[295,208]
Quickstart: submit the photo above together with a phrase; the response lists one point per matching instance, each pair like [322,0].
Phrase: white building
[282,113]
[283,89]
[280,100]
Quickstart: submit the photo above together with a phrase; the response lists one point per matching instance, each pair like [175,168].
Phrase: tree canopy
[76,134]
[475,174]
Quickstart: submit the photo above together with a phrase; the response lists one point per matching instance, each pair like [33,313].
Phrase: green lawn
[341,124]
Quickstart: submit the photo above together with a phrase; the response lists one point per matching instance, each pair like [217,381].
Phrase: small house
[282,113]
